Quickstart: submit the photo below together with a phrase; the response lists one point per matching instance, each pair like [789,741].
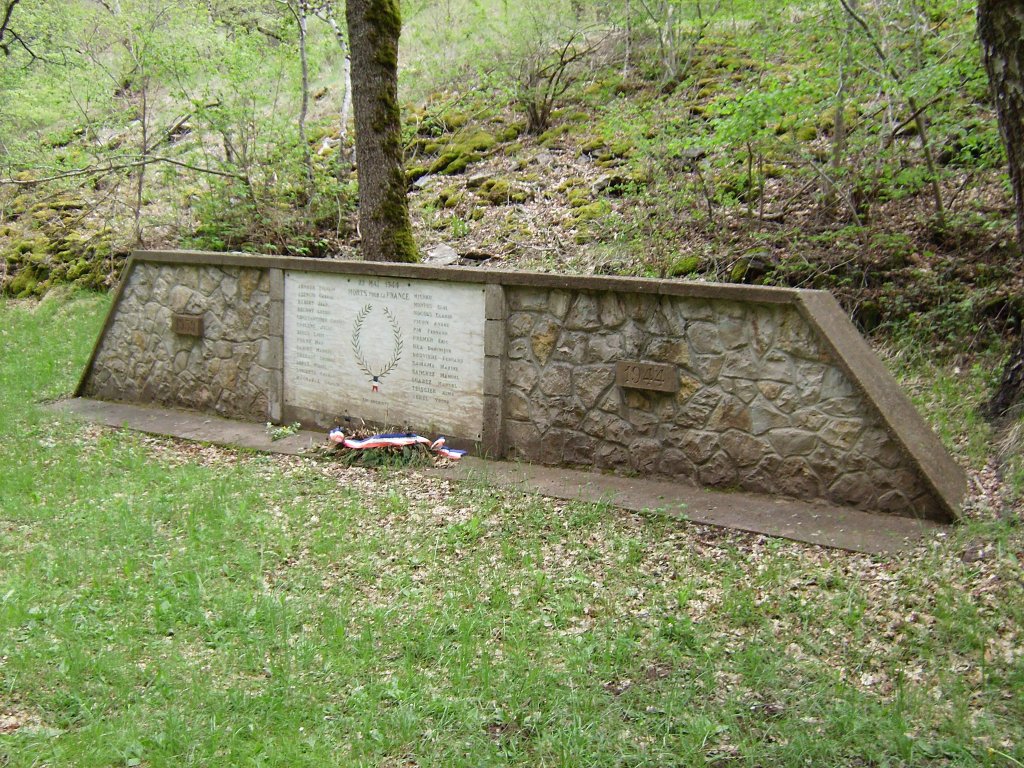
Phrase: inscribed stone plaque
[187,325]
[395,351]
[654,376]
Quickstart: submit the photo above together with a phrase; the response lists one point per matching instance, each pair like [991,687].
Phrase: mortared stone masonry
[767,390]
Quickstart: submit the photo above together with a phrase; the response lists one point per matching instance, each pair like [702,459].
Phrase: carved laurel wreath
[396,341]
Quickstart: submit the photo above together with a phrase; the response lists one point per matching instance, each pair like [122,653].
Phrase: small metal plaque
[655,376]
[187,325]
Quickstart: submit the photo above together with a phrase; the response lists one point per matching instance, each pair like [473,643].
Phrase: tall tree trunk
[346,75]
[373,30]
[344,164]
[1001,30]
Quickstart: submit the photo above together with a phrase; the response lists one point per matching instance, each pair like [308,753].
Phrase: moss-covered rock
[415,172]
[826,122]
[502,192]
[709,91]
[578,197]
[453,120]
[752,267]
[570,182]
[455,156]
[552,135]
[684,265]
[607,154]
[460,163]
[61,203]
[24,284]
[449,197]
[591,211]
[806,132]
[451,163]
[52,244]
[434,124]
[477,141]
[511,132]
[617,183]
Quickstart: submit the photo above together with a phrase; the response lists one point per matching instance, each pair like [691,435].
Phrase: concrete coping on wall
[943,476]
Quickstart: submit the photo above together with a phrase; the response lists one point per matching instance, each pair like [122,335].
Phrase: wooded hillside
[844,145]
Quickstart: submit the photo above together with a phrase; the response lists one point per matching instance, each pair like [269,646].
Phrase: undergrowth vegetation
[166,603]
[794,144]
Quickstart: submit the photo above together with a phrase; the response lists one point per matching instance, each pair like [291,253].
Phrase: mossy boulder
[616,184]
[502,192]
[578,197]
[453,162]
[591,211]
[806,132]
[607,153]
[453,121]
[61,203]
[578,116]
[435,124]
[570,182]
[551,136]
[449,197]
[826,122]
[477,141]
[752,267]
[510,132]
[684,265]
[708,91]
[24,284]
[455,156]
[414,173]
[460,163]
[51,244]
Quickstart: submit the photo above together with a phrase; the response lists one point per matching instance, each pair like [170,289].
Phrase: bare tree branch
[111,167]
[6,24]
[9,37]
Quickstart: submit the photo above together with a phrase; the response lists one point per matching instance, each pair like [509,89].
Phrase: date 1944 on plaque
[655,376]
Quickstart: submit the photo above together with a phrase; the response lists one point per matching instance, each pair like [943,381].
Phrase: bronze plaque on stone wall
[656,376]
[187,325]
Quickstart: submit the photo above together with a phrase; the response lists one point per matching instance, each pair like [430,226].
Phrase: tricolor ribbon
[394,440]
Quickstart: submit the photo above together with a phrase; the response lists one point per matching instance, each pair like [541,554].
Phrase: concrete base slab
[814,523]
[190,425]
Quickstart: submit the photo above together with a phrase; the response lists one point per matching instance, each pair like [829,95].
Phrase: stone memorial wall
[761,389]
[222,361]
[735,395]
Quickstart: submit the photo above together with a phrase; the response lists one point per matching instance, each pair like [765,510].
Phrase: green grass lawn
[167,604]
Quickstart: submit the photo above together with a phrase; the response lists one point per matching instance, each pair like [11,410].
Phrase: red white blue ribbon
[394,440]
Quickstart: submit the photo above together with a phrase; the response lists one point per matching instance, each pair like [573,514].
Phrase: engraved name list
[397,352]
